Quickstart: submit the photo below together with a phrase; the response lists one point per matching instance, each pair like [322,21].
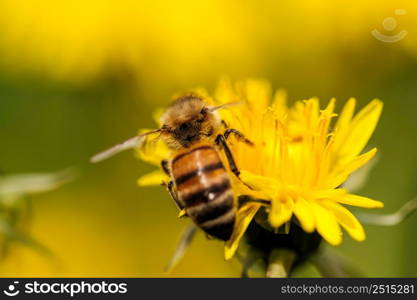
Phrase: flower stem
[280,262]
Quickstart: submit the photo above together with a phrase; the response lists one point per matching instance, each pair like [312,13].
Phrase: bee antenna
[133,142]
[151,132]
[214,108]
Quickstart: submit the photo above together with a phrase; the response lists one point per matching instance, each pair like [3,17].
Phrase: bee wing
[133,142]
[186,238]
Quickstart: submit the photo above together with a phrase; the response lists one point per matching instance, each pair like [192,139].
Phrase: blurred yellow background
[79,76]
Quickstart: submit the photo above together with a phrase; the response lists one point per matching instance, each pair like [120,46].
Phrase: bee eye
[184,126]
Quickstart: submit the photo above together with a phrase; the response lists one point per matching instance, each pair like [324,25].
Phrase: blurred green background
[79,76]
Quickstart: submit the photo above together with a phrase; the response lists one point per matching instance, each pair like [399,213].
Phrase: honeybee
[199,182]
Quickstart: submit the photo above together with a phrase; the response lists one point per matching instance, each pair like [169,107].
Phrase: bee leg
[243,199]
[170,187]
[164,166]
[239,136]
[224,124]
[173,194]
[182,246]
[221,142]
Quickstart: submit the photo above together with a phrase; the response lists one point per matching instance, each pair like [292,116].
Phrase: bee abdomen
[204,170]
[213,210]
[222,226]
[197,194]
[203,186]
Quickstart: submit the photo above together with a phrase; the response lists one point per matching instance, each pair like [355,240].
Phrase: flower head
[299,161]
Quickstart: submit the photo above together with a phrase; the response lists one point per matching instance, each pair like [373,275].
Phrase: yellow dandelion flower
[298,163]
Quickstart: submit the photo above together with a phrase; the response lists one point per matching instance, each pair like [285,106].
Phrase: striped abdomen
[203,188]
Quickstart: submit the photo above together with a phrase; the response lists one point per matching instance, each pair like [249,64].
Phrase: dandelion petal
[281,211]
[304,214]
[361,129]
[327,225]
[153,178]
[346,115]
[244,217]
[359,201]
[348,221]
[344,170]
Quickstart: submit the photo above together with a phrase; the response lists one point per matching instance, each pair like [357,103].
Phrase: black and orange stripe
[204,189]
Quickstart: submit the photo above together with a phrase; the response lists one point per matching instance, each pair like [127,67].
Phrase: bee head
[188,120]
